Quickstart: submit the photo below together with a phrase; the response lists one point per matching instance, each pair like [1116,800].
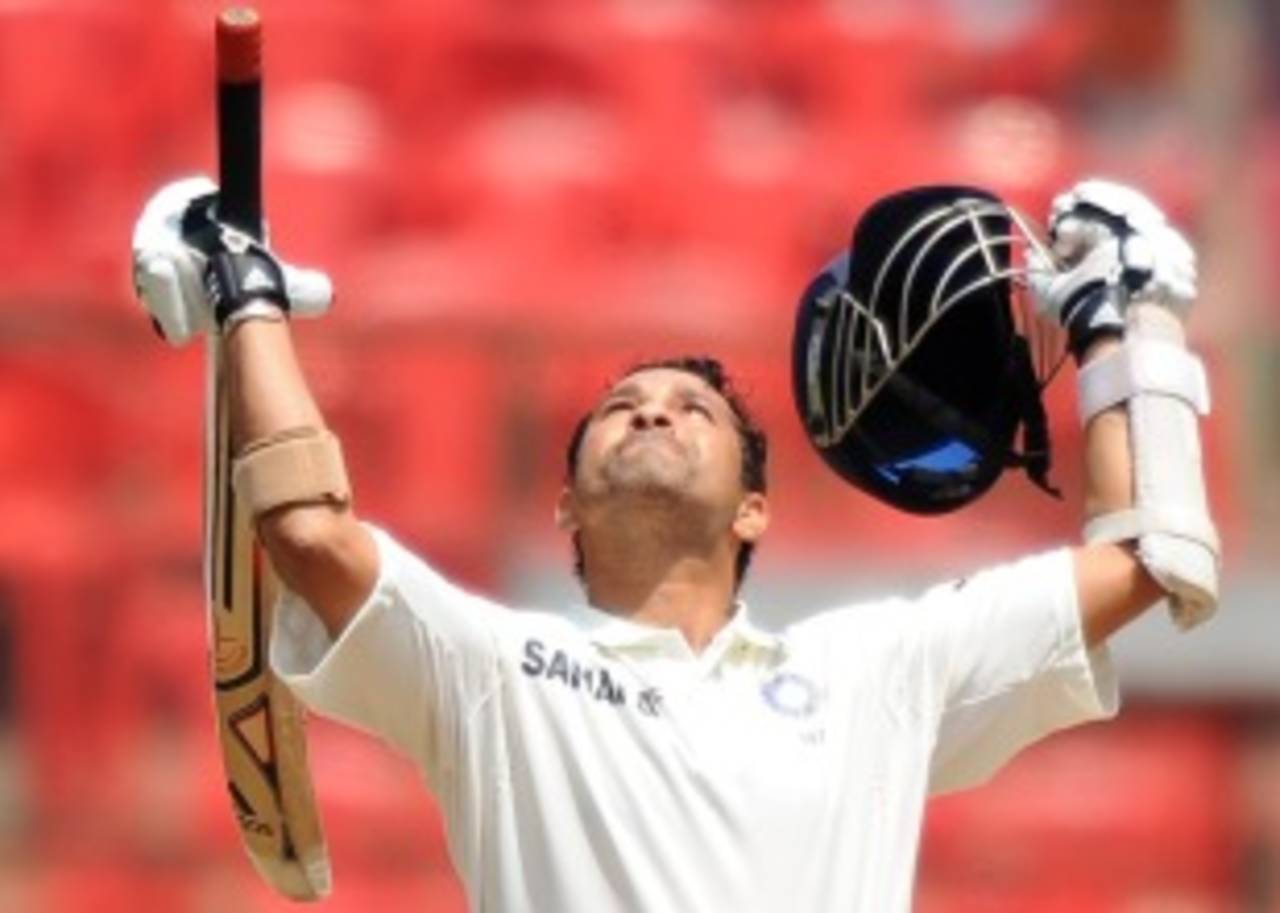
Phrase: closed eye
[616,405]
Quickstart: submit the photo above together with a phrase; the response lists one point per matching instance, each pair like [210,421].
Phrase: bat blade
[260,724]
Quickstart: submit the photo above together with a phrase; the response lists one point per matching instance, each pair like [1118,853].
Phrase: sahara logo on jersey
[540,661]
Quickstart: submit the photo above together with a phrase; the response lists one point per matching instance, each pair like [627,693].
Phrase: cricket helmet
[917,356]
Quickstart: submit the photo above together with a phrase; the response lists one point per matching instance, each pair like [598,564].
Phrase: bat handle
[239,54]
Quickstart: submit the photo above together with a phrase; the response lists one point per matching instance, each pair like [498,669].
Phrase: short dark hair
[754,443]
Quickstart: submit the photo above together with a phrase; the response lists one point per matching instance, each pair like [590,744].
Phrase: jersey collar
[615,633]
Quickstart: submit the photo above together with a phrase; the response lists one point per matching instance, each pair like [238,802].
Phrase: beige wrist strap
[297,466]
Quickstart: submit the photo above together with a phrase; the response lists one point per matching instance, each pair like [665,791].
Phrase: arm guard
[1165,392]
[295,466]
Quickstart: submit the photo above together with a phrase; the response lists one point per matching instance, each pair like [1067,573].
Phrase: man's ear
[566,511]
[752,518]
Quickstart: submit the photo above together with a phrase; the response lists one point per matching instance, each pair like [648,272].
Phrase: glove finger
[1183,294]
[1077,236]
[1038,262]
[1176,244]
[1181,272]
[1062,204]
[1184,280]
[158,285]
[1103,261]
[1120,200]
[171,200]
[158,229]
[1040,273]
[1070,237]
[310,291]
[1138,254]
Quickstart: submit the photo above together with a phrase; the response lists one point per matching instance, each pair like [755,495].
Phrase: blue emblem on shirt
[791,695]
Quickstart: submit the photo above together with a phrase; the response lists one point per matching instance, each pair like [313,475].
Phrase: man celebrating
[653,749]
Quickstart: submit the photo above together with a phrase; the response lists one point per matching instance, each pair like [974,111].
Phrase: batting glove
[195,274]
[1113,248]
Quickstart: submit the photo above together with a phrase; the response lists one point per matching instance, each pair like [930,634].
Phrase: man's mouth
[635,438]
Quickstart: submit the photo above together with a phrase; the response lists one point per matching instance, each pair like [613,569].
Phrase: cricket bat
[260,724]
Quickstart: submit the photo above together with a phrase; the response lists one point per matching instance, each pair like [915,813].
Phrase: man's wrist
[242,278]
[259,309]
[1091,315]
[1099,346]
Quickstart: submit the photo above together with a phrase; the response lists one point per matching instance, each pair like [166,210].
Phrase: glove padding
[193,274]
[1114,248]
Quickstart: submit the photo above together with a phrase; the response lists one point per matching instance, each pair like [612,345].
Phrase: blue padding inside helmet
[949,456]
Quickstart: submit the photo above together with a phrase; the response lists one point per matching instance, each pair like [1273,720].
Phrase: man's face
[661,433]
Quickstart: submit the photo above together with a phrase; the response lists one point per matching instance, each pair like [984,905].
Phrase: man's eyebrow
[686,392]
[704,395]
[689,392]
[625,391]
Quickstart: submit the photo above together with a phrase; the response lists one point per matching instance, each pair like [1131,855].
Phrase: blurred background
[516,198]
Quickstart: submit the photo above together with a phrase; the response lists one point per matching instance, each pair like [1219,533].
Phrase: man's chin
[649,482]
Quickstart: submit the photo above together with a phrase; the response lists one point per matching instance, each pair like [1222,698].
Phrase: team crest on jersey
[792,695]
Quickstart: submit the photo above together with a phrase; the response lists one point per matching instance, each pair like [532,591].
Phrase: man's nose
[650,415]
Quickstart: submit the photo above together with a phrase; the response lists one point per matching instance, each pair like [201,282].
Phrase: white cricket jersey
[587,763]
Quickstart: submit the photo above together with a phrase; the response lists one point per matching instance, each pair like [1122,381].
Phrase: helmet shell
[934,404]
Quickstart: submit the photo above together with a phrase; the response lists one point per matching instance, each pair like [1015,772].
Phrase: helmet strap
[1037,450]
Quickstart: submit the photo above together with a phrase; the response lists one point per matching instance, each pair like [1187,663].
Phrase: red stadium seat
[425,444]
[117,885]
[376,807]
[1135,804]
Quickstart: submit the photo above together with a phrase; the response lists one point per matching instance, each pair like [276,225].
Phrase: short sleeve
[413,663]
[1006,654]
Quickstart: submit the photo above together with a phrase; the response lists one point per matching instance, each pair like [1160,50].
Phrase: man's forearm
[269,393]
[319,550]
[1113,586]
[1108,462]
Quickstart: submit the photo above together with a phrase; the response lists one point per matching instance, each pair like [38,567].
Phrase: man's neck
[691,592]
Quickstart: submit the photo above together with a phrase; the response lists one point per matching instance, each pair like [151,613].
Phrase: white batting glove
[171,272]
[1113,248]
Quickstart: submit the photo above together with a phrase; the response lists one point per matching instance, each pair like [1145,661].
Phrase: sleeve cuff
[301,647]
[1089,680]
[1067,685]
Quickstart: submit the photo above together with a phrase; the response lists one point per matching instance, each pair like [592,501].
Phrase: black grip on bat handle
[239,70]
[240,155]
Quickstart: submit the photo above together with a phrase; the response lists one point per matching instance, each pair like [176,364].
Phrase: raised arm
[1128,282]
[196,276]
[1113,586]
[319,550]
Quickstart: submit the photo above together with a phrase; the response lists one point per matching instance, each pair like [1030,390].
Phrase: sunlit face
[661,433]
